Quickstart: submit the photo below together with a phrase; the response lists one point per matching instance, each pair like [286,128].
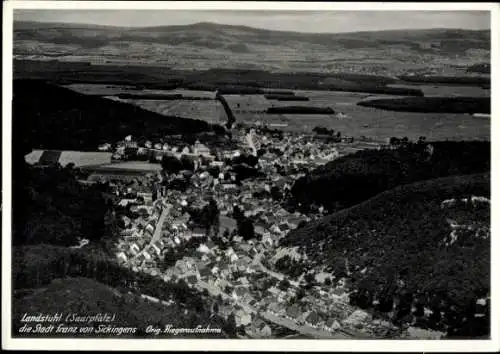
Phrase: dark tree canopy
[187,163]
[210,217]
[246,229]
[171,164]
[51,206]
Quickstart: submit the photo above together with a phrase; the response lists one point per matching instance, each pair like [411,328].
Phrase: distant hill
[206,34]
[180,45]
[410,247]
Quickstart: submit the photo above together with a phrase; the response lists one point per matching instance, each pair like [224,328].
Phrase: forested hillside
[354,178]
[50,206]
[47,116]
[422,246]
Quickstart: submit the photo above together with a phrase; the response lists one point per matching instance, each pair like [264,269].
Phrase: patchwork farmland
[101,89]
[194,104]
[349,118]
[206,110]
[354,120]
[112,90]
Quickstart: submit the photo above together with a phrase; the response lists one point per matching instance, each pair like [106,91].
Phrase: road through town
[158,230]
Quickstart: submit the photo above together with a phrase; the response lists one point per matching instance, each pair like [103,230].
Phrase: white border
[245,5]
[235,345]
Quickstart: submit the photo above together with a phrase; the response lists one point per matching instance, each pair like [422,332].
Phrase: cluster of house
[128,146]
[271,221]
[174,233]
[137,233]
[252,292]
[295,150]
[234,271]
[323,307]
[142,204]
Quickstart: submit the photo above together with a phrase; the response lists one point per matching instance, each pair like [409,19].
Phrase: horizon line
[242,25]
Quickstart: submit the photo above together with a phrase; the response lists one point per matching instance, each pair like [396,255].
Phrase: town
[220,232]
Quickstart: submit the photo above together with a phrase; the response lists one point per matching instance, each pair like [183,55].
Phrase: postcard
[249,175]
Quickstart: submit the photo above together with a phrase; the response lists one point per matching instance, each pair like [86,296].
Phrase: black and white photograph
[274,174]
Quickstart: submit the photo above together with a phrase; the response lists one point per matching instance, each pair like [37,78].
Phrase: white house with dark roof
[147,255]
[156,249]
[134,248]
[148,234]
[150,227]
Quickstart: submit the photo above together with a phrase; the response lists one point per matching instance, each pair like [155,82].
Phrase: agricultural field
[248,103]
[132,166]
[101,89]
[78,158]
[354,120]
[184,92]
[111,90]
[350,119]
[81,158]
[448,90]
[206,110]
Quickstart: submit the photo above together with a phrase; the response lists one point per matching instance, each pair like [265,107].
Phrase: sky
[300,21]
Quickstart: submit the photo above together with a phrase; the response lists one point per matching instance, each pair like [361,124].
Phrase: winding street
[249,140]
[158,230]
